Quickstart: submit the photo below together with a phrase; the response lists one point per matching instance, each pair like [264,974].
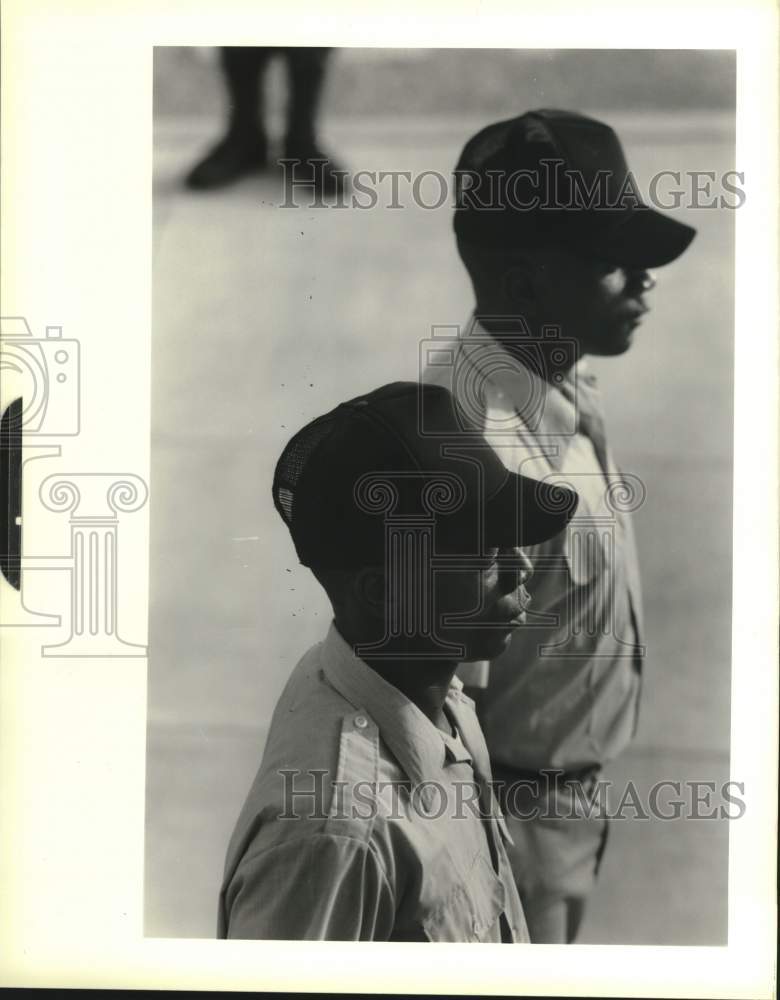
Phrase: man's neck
[546,361]
[425,682]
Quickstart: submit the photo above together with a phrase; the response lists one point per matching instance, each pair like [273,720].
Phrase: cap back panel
[293,462]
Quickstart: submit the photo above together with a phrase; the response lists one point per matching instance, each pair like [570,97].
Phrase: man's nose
[643,278]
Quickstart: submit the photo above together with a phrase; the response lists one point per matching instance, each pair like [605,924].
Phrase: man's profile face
[597,303]
[489,596]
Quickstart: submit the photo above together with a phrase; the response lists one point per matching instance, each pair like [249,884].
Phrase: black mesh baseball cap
[559,178]
[397,455]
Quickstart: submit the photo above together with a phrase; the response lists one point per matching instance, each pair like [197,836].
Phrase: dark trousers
[243,67]
[557,846]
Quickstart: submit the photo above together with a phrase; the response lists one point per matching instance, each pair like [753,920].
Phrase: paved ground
[264,318]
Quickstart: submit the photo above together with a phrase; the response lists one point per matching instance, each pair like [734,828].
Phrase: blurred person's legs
[556,853]
[244,147]
[306,73]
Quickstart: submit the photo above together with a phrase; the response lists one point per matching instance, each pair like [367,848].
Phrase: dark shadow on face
[597,303]
[479,606]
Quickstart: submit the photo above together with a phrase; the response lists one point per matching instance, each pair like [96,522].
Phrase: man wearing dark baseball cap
[372,816]
[557,242]
[558,179]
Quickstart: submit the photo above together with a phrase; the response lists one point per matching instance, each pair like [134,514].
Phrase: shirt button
[475,926]
[361,721]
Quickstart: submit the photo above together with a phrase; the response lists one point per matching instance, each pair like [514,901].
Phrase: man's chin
[623,344]
[624,337]
[615,341]
[615,346]
[490,646]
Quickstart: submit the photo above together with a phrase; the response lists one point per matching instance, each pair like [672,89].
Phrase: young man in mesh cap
[372,816]
[558,247]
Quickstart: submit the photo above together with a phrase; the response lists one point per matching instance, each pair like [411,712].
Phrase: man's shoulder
[314,731]
[499,393]
[320,752]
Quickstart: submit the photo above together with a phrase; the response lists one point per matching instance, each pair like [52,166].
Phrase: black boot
[233,157]
[243,150]
[309,168]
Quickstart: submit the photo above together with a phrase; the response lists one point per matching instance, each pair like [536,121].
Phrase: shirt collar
[419,747]
[456,750]
[557,412]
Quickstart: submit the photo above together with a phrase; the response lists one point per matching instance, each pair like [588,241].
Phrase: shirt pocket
[470,911]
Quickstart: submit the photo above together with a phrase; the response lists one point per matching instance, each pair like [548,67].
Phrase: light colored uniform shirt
[395,849]
[565,693]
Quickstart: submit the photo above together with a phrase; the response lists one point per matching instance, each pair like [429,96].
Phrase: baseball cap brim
[527,511]
[644,238]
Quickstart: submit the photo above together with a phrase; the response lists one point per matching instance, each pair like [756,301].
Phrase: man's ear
[368,590]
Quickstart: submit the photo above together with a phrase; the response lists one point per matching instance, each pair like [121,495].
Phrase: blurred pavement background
[265,318]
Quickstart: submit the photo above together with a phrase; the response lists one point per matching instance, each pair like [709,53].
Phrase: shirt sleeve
[319,888]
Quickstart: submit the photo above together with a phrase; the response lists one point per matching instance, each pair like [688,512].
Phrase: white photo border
[76,200]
